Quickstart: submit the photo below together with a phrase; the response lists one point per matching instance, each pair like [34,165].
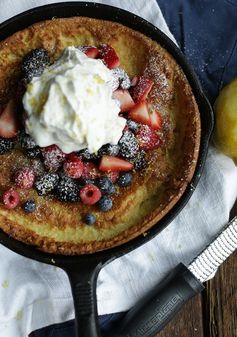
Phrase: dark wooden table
[214,312]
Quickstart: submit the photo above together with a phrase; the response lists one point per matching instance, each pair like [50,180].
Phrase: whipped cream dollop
[71,105]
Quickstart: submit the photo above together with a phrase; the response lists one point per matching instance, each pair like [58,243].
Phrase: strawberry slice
[139,113]
[109,56]
[111,164]
[90,51]
[125,99]
[156,121]
[142,88]
[8,121]
[148,138]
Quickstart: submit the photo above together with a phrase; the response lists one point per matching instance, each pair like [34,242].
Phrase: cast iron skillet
[83,270]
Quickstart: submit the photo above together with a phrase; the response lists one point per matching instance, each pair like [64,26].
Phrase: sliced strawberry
[142,88]
[90,171]
[156,121]
[125,99]
[8,121]
[111,164]
[109,56]
[139,113]
[147,138]
[90,51]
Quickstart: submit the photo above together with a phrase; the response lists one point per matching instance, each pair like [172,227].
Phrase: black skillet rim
[106,12]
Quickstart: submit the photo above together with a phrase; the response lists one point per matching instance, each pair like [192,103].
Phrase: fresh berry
[111,164]
[128,145]
[139,113]
[46,183]
[113,176]
[53,157]
[109,56]
[90,194]
[142,88]
[26,141]
[6,144]
[147,138]
[140,162]
[105,203]
[124,98]
[8,121]
[89,218]
[73,166]
[38,167]
[90,51]
[105,185]
[85,155]
[34,63]
[125,179]
[108,149]
[34,152]
[11,198]
[156,121]
[67,190]
[24,178]
[132,125]
[29,206]
[122,78]
[90,171]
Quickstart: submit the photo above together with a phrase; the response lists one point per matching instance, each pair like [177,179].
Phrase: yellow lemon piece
[225,134]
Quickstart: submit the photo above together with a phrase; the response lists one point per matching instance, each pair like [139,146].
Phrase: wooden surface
[214,312]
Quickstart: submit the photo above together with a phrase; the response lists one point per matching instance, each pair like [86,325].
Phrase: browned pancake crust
[58,227]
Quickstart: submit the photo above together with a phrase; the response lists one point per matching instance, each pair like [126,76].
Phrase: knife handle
[156,309]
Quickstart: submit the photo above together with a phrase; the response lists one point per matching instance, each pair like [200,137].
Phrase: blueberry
[105,185]
[140,162]
[29,206]
[105,203]
[86,155]
[67,190]
[128,145]
[6,144]
[46,183]
[110,150]
[133,126]
[34,63]
[26,141]
[34,152]
[89,219]
[124,179]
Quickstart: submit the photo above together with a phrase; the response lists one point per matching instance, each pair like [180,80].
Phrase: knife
[159,306]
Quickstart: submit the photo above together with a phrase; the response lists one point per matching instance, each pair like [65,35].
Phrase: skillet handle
[150,315]
[83,279]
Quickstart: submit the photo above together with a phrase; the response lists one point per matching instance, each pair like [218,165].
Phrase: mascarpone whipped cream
[71,105]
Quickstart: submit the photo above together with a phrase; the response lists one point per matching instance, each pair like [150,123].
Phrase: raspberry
[53,157]
[73,166]
[24,178]
[11,198]
[90,171]
[90,194]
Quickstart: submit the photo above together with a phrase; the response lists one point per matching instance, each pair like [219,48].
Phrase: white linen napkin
[33,295]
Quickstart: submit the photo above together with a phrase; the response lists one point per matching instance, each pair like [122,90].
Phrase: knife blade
[159,306]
